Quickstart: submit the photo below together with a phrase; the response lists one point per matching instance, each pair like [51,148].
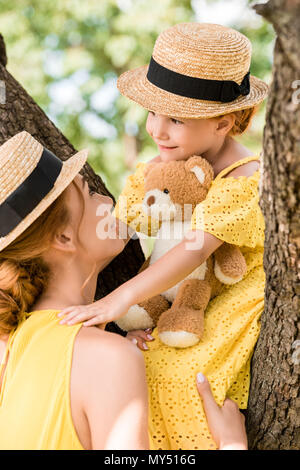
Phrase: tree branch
[20,112]
[3,56]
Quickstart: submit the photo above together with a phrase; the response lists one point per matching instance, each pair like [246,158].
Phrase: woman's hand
[226,424]
[109,308]
[139,337]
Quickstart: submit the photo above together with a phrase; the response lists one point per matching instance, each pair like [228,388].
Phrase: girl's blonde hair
[243,119]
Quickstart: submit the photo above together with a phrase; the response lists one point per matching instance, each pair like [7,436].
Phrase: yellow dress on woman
[35,402]
[231,213]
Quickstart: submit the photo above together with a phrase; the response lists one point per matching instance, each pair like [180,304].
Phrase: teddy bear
[172,191]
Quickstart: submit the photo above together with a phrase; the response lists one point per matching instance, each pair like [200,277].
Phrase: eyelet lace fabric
[231,212]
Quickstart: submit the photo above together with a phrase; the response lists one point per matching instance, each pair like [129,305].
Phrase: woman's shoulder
[104,367]
[93,343]
[100,356]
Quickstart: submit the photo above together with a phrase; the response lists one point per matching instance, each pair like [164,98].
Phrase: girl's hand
[110,308]
[139,337]
[226,424]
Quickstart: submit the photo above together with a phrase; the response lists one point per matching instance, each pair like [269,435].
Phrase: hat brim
[70,169]
[134,85]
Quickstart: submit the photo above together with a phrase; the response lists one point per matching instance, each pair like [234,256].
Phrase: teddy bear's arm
[230,265]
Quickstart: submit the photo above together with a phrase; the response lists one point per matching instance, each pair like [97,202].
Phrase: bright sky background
[226,12]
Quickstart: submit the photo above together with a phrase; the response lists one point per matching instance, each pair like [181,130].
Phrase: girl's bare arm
[166,272]
[171,268]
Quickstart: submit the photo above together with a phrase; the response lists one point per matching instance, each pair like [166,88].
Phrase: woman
[65,387]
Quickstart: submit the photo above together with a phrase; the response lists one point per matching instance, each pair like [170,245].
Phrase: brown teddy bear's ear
[201,168]
[148,168]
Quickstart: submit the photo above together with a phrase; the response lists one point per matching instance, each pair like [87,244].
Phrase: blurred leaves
[68,55]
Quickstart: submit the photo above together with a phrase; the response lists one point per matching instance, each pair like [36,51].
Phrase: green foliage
[68,55]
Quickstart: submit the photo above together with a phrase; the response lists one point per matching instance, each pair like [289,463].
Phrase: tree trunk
[19,112]
[273,420]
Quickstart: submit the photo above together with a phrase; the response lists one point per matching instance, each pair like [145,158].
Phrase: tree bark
[273,420]
[19,112]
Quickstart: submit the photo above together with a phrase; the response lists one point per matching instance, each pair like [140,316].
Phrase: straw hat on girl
[31,178]
[197,70]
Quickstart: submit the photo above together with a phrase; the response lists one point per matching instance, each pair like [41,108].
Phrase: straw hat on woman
[31,178]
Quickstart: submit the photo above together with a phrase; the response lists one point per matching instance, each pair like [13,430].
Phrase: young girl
[199,93]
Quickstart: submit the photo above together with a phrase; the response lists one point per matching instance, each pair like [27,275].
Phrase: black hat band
[197,88]
[30,193]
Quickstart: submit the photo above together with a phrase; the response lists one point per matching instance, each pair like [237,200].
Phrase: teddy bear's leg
[144,315]
[230,265]
[182,325]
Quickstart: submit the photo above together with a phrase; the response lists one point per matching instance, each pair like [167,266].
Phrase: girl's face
[92,221]
[179,139]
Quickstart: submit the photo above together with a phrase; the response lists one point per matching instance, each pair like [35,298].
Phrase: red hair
[243,119]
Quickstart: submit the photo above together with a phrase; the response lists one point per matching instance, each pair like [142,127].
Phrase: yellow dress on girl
[230,212]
